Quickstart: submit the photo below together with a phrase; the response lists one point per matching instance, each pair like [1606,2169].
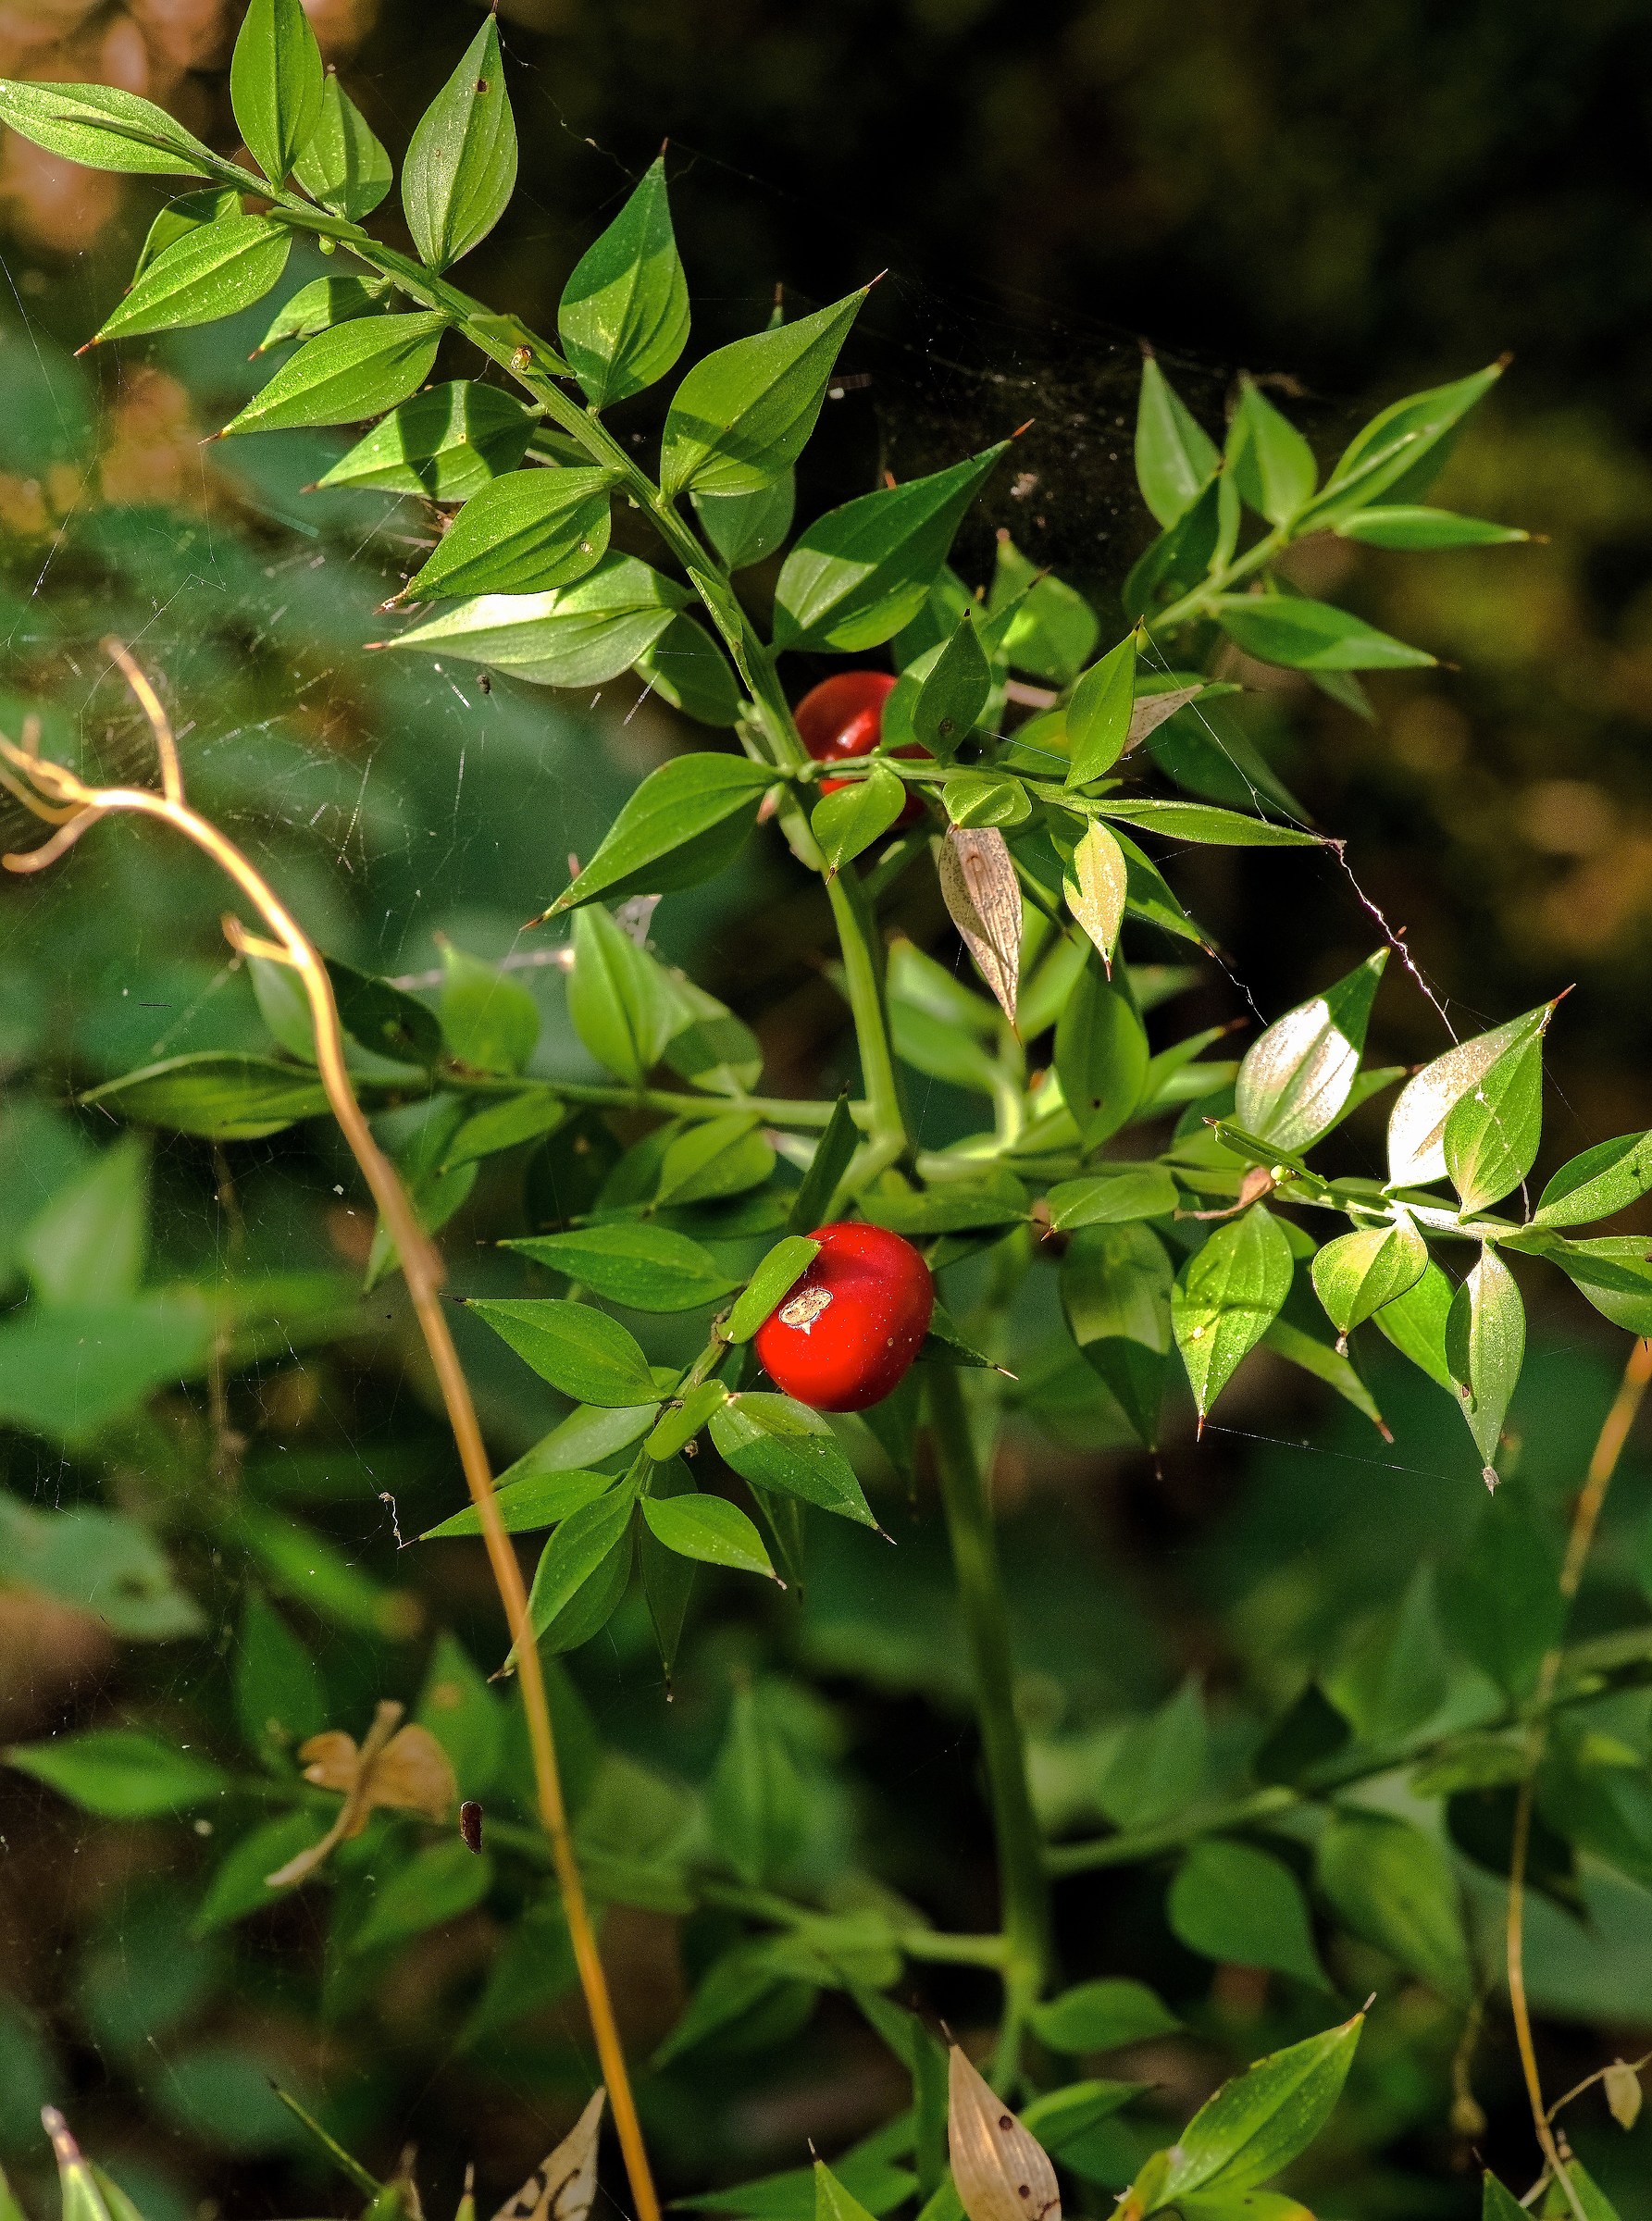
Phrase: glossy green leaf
[646,1268]
[490,1022]
[461,166]
[742,416]
[520,535]
[686,667]
[1296,1077]
[1241,1906]
[679,1423]
[1174,456]
[1401,449]
[1226,1296]
[715,1157]
[1038,624]
[780,1270]
[580,635]
[1097,714]
[1186,554]
[685,822]
[862,572]
[983,798]
[215,1093]
[504,1124]
[1271,463]
[342,164]
[709,1529]
[951,1206]
[1356,1275]
[1394,1886]
[849,820]
[1212,828]
[1614,1271]
[120,1773]
[775,1442]
[188,212]
[575,1583]
[712,1048]
[213,270]
[1311,636]
[318,306]
[1100,2016]
[1417,1122]
[434,1885]
[1486,1346]
[1112,1198]
[833,1154]
[1115,1291]
[620,999]
[1423,530]
[526,1505]
[954,692]
[586,1437]
[102,128]
[745,527]
[1100,1055]
[276,82]
[576,1348]
[1415,1323]
[1492,1131]
[624,318]
[445,444]
[1257,2123]
[355,370]
[1603,1181]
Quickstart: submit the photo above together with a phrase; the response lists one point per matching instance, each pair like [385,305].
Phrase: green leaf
[832,1156]
[624,318]
[743,415]
[1213,827]
[276,82]
[1226,1296]
[680,1423]
[1096,890]
[239,1886]
[436,1884]
[1595,2204]
[1614,1271]
[216,1093]
[715,1157]
[1603,1181]
[855,814]
[685,822]
[757,1806]
[384,1018]
[1505,1601]
[708,1529]
[102,128]
[778,1444]
[1270,462]
[1356,1275]
[1499,2204]
[1393,1673]
[1401,448]
[646,1268]
[1486,1344]
[520,535]
[101,1562]
[1116,1292]
[1098,714]
[280,1699]
[539,1500]
[620,1000]
[1311,636]
[1155,1767]
[1257,2123]
[1296,1077]
[712,1048]
[581,1351]
[1415,1323]
[1100,1056]
[1238,1906]
[181,216]
[582,1571]
[1100,2016]
[951,1206]
[686,667]
[1174,457]
[489,1020]
[1394,1887]
[1492,1131]
[780,1270]
[445,444]
[120,1773]
[1040,625]
[355,370]
[1423,529]
[744,527]
[461,166]
[1417,1122]
[91,1242]
[211,271]
[318,306]
[342,164]
[1112,1197]
[952,692]
[1186,554]
[861,572]
[580,635]
[505,1125]
[832,2201]
[976,797]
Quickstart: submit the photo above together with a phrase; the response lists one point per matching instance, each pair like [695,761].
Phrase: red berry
[843,716]
[851,1327]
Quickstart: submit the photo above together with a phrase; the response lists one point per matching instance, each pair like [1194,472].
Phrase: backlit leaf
[1486,1346]
[684,822]
[1492,1131]
[445,444]
[742,416]
[1099,715]
[520,535]
[624,318]
[276,83]
[461,166]
[1417,1122]
[1174,456]
[104,128]
[1226,1296]
[580,635]
[342,164]
[1296,1077]
[213,270]
[1257,2123]
[353,370]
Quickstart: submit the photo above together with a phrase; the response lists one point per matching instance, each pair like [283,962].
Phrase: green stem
[1023,1885]
[1196,603]
[774,1109]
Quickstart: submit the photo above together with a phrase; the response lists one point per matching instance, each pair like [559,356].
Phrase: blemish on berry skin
[805,1307]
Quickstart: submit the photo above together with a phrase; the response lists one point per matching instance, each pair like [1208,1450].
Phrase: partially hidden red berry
[851,1327]
[842,717]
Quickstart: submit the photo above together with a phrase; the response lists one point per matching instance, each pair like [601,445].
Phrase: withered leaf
[1001,2171]
[562,2187]
[979,886]
[404,1770]
[1152,710]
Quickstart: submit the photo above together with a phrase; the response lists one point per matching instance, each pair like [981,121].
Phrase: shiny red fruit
[843,716]
[851,1327]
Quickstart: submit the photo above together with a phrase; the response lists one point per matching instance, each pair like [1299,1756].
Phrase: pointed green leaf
[1116,1294]
[520,535]
[1311,636]
[855,814]
[102,128]
[1226,1296]
[1096,890]
[1100,2016]
[624,318]
[1295,1078]
[952,692]
[461,166]
[581,1554]
[580,635]
[774,1443]
[785,1264]
[686,667]
[276,82]
[342,165]
[1417,1122]
[539,1500]
[1257,2123]
[490,1022]
[1203,822]
[120,1773]
[1604,1180]
[1356,1275]
[1174,456]
[684,822]
[352,371]
[213,270]
[620,999]
[445,444]
[1099,714]
[216,1093]
[645,1268]
[1272,465]
[1415,1323]
[743,415]
[1394,1885]
[745,527]
[1238,1906]
[1423,530]
[1401,449]
[832,1156]
[1100,1055]
[576,1348]
[318,306]
[1486,1346]
[709,1529]
[1492,1132]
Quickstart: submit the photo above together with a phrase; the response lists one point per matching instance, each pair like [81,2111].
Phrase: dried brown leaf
[1152,710]
[979,886]
[405,1770]
[562,2187]
[1000,2170]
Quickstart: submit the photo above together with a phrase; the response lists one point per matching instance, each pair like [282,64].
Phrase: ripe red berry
[843,716]
[851,1327]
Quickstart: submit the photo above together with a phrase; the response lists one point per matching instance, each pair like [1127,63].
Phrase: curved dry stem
[421,1265]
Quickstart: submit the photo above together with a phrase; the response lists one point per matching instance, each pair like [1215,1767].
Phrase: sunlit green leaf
[461,166]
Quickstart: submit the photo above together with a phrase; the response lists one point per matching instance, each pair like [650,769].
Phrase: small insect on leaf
[977,884]
[562,2187]
[1001,2171]
[405,1769]
[471,1824]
